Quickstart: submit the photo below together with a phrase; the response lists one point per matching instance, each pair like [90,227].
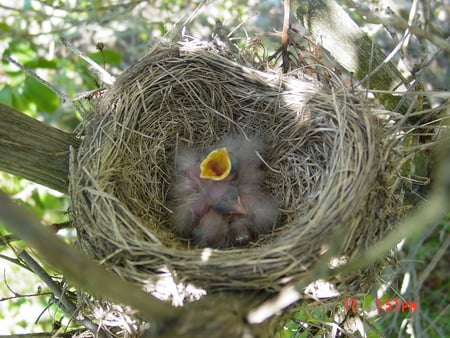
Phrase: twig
[432,322]
[43,334]
[29,72]
[425,273]
[19,295]
[14,261]
[64,303]
[285,36]
[98,71]
[386,60]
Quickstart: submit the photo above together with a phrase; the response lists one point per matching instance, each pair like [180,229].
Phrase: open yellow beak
[216,166]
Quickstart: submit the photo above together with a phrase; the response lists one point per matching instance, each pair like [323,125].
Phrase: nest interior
[327,163]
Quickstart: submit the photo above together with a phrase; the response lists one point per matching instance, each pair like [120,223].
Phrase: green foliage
[40,97]
[23,92]
[6,95]
[106,57]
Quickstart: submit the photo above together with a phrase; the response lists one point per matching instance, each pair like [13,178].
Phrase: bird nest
[327,163]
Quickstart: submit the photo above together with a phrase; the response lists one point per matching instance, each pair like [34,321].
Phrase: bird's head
[218,169]
[217,165]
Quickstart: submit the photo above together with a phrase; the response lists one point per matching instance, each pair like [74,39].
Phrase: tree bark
[33,150]
[335,31]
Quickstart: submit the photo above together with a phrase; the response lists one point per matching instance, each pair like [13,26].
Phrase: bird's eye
[216,166]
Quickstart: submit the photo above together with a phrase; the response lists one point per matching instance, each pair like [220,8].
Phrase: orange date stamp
[383,305]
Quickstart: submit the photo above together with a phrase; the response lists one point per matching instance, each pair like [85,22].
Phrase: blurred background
[31,32]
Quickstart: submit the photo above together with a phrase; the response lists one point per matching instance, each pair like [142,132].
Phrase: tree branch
[33,150]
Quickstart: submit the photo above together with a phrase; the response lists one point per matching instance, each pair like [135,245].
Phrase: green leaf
[4,27]
[22,103]
[44,99]
[6,95]
[368,301]
[41,63]
[20,50]
[108,57]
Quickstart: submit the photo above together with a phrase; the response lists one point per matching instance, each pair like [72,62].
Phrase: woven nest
[327,163]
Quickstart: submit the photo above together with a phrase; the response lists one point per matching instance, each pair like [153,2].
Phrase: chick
[239,232]
[244,154]
[195,174]
[212,230]
[223,198]
[261,209]
[219,195]
[260,217]
[222,201]
[187,165]
[217,166]
[201,186]
[244,149]
[187,214]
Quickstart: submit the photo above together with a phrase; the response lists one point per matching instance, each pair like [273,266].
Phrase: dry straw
[328,163]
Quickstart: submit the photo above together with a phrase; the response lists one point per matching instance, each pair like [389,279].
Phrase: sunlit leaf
[6,96]
[108,57]
[4,27]
[41,63]
[44,98]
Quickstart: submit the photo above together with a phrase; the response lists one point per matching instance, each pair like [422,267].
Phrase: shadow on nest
[328,163]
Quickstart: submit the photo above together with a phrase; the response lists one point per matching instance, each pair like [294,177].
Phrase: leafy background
[30,31]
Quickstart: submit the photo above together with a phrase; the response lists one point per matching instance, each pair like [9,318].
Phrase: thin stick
[285,35]
[29,72]
[64,303]
[99,72]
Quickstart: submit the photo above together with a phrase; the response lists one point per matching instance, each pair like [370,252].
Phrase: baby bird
[223,198]
[240,231]
[187,214]
[212,230]
[187,165]
[261,209]
[245,160]
[202,186]
[260,217]
[219,196]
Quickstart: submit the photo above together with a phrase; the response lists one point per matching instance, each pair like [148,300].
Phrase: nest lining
[325,163]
